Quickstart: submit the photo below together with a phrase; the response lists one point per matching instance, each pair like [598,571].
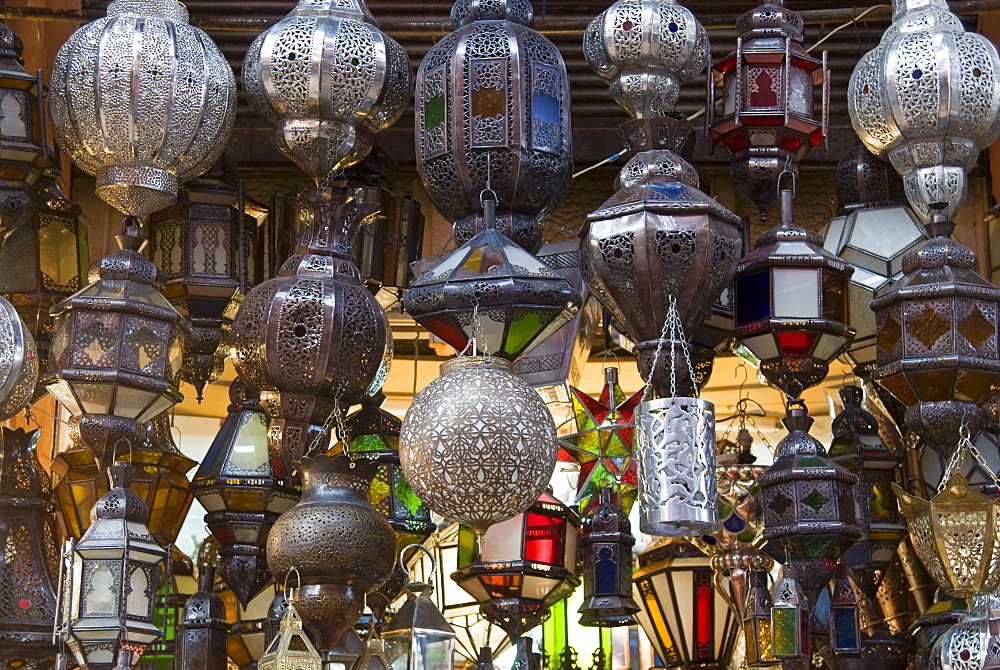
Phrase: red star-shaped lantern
[602,443]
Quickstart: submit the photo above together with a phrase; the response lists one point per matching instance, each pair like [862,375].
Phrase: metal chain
[336,416]
[656,357]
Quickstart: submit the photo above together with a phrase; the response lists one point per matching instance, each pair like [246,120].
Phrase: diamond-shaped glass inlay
[780,503]
[976,328]
[889,333]
[929,326]
[816,500]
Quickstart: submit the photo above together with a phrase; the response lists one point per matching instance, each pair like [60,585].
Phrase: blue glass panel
[844,630]
[753,297]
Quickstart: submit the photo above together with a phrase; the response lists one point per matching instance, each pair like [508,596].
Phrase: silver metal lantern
[142,125]
[329,79]
[928,98]
[18,362]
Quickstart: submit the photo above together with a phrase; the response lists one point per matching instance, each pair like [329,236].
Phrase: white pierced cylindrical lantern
[928,98]
[675,454]
[142,124]
[328,78]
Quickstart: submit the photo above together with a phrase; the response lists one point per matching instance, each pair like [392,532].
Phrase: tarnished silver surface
[328,78]
[142,125]
[675,452]
[928,98]
[18,362]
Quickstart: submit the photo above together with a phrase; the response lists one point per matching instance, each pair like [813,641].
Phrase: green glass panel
[434,112]
[467,551]
[785,639]
[408,503]
[368,443]
[524,328]
[815,547]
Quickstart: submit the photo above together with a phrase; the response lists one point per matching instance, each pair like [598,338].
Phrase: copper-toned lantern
[313,340]
[493,111]
[792,305]
[774,101]
[606,543]
[201,637]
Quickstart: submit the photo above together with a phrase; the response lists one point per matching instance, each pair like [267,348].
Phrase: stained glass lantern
[857,446]
[757,632]
[18,362]
[237,486]
[683,615]
[873,230]
[526,565]
[419,637]
[774,103]
[202,633]
[497,117]
[117,350]
[207,249]
[606,544]
[111,582]
[492,289]
[291,649]
[789,618]
[28,569]
[792,305]
[805,504]
[845,616]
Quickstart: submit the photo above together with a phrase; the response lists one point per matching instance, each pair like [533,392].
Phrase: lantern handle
[604,359]
[298,578]
[402,561]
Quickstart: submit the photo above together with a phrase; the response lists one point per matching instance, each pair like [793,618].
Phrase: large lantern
[142,125]
[18,362]
[767,117]
[111,583]
[493,111]
[791,305]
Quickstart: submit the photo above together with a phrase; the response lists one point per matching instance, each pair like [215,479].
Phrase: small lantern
[845,618]
[248,637]
[769,86]
[789,618]
[419,637]
[176,583]
[201,640]
[757,622]
[684,616]
[791,305]
[291,649]
[606,544]
[387,245]
[111,584]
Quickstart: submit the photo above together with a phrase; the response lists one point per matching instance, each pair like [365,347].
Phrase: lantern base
[104,435]
[515,616]
[327,610]
[319,147]
[136,190]
[702,360]
[939,424]
[609,611]
[794,374]
[244,570]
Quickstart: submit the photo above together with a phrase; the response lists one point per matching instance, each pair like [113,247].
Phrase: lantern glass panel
[764,87]
[506,543]
[754,303]
[57,251]
[433,652]
[845,627]
[796,293]
[786,635]
[94,398]
[761,347]
[249,452]
[130,402]
[834,297]
[546,537]
[800,92]
[64,394]
[19,277]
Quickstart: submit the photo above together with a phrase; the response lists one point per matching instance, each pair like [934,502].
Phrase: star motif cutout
[602,443]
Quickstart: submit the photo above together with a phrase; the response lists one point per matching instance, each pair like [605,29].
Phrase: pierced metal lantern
[606,544]
[845,617]
[313,340]
[937,345]
[243,497]
[111,582]
[202,633]
[757,631]
[925,98]
[525,565]
[494,291]
[873,230]
[789,619]
[683,615]
[792,305]
[18,362]
[291,649]
[176,583]
[329,79]
[805,505]
[857,446]
[767,118]
[419,637]
[29,567]
[116,353]
[493,112]
[142,126]
[477,444]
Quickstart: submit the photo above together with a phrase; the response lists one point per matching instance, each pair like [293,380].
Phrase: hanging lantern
[606,544]
[313,340]
[116,353]
[525,565]
[175,584]
[29,563]
[767,117]
[142,126]
[291,649]
[329,79]
[805,505]
[248,638]
[857,446]
[980,476]
[602,444]
[845,618]
[873,230]
[419,637]
[493,112]
[242,496]
[490,455]
[18,362]
[757,631]
[700,634]
[789,619]
[110,586]
[206,247]
[201,640]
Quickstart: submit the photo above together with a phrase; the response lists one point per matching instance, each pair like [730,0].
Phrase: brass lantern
[789,618]
[757,631]
[291,649]
[18,362]
[791,305]
[767,117]
[111,582]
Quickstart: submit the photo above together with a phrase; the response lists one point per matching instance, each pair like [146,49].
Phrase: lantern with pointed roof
[606,543]
[291,648]
[201,638]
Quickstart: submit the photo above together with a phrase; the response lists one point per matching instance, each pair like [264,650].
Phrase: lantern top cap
[788,230]
[464,12]
[865,181]
[168,10]
[461,362]
[902,7]
[11,47]
[243,396]
[941,250]
[120,502]
[348,9]
[771,19]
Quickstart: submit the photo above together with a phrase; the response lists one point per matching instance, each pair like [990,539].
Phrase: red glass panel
[704,602]
[544,539]
[737,142]
[790,142]
[445,328]
[816,138]
[764,86]
[796,344]
[764,119]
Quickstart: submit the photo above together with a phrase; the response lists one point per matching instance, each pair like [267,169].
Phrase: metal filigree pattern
[142,125]
[675,452]
[18,362]
[477,444]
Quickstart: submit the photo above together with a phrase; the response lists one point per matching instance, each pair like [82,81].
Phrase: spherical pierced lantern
[18,362]
[768,117]
[926,98]
[477,444]
[142,125]
[330,79]
[313,340]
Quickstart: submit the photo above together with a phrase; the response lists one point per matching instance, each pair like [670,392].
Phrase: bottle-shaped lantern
[767,118]
[493,111]
[607,543]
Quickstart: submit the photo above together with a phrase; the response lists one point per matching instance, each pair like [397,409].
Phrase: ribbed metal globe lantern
[18,362]
[142,125]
